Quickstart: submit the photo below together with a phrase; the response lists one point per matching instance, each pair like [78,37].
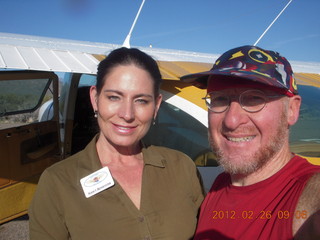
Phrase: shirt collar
[152,157]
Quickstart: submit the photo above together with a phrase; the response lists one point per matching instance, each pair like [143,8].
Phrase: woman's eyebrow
[120,93]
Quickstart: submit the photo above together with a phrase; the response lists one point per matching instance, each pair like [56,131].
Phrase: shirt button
[141,219]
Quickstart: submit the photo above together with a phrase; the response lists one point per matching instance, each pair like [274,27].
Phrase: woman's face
[126,105]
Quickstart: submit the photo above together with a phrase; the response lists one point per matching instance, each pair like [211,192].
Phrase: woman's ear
[294,109]
[94,98]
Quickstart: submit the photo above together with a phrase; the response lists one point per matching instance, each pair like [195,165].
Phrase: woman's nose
[126,111]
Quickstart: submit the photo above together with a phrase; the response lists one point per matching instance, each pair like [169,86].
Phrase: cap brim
[200,80]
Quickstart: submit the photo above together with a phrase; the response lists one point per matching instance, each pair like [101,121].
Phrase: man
[266,192]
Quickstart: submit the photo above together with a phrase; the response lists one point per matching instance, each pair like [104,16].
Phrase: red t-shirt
[263,211]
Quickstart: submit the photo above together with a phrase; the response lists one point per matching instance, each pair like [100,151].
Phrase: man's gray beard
[259,158]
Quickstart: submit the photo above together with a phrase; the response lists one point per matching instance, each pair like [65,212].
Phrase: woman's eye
[142,101]
[113,98]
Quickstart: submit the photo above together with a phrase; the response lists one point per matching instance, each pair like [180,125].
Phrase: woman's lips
[124,129]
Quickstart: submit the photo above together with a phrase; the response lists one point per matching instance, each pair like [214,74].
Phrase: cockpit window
[176,129]
[18,96]
[23,95]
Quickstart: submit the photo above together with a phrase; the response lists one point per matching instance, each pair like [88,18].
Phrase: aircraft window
[20,100]
[305,134]
[176,129]
[87,80]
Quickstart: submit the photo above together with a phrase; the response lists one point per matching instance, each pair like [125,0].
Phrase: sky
[208,26]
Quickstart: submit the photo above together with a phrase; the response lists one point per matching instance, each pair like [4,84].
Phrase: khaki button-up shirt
[170,199]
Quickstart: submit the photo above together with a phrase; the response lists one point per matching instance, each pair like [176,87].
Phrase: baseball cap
[249,63]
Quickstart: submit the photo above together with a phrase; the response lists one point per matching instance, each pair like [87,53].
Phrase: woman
[151,193]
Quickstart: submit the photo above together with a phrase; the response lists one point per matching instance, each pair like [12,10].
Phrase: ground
[17,229]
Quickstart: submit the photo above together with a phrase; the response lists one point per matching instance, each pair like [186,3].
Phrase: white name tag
[97,182]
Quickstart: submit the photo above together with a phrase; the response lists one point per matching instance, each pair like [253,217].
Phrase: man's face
[245,141]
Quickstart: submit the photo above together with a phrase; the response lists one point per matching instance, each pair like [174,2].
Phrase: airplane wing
[62,55]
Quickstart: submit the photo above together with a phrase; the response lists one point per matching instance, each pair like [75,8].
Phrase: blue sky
[210,26]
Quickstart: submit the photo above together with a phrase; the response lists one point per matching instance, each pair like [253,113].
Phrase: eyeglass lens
[251,101]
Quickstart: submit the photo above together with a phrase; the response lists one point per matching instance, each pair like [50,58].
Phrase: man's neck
[269,169]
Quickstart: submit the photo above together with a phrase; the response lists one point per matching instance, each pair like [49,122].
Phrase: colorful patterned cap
[250,63]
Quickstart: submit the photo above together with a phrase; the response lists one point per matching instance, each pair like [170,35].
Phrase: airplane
[44,86]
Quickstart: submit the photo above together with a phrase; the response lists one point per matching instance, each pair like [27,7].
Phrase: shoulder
[85,158]
[165,150]
[311,192]
[309,201]
[310,196]
[58,173]
[67,170]
[173,160]
[64,164]
[302,162]
[168,155]
[301,170]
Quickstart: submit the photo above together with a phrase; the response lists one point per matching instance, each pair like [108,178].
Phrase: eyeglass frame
[231,98]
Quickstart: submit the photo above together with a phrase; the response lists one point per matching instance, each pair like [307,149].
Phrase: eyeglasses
[251,100]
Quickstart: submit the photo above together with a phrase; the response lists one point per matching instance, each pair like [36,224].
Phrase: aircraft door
[28,145]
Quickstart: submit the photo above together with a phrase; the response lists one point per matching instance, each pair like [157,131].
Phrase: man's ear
[294,109]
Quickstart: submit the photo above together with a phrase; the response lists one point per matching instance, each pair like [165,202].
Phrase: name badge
[97,182]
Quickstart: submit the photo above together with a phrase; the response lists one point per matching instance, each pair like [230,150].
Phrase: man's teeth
[242,139]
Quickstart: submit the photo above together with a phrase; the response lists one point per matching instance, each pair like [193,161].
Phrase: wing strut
[272,23]
[126,42]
